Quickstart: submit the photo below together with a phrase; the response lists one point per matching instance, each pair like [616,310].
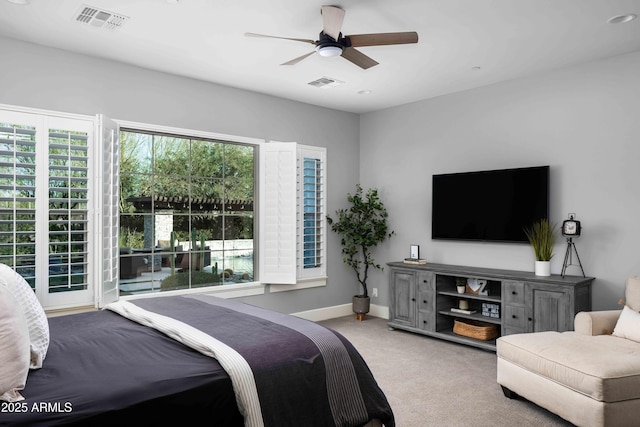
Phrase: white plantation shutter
[68,165]
[108,209]
[68,210]
[278,213]
[18,194]
[311,212]
[45,188]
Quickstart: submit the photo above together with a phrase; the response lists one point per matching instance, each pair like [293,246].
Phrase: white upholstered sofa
[590,376]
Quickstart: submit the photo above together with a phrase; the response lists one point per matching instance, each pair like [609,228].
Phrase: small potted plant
[461,284]
[362,226]
[542,238]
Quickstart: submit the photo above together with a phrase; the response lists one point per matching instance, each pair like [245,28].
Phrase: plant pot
[361,306]
[543,268]
[461,288]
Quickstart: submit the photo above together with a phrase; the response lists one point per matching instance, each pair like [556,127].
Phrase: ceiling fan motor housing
[327,46]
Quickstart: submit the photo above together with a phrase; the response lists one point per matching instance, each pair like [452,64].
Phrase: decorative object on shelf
[361,226]
[461,284]
[542,238]
[474,329]
[571,228]
[476,286]
[414,252]
[414,256]
[491,310]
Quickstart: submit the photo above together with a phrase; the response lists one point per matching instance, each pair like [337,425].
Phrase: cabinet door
[550,307]
[403,294]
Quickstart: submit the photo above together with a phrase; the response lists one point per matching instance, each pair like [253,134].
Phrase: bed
[197,360]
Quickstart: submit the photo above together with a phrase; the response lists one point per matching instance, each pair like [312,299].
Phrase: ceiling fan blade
[358,58]
[380,39]
[298,59]
[282,38]
[332,18]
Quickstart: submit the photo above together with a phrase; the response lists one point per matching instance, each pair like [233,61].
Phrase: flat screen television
[494,205]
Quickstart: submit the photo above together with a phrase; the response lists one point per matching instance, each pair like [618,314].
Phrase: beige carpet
[432,382]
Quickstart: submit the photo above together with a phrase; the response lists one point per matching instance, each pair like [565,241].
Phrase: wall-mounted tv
[494,205]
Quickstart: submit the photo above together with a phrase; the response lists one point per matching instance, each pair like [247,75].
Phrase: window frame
[231,291]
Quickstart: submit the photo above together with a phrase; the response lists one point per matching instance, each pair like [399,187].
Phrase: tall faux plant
[361,227]
[542,237]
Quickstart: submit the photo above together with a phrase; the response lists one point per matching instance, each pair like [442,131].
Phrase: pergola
[196,204]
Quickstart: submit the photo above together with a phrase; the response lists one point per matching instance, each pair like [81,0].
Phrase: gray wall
[40,77]
[582,121]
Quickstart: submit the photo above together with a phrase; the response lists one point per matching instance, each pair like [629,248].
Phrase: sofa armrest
[596,322]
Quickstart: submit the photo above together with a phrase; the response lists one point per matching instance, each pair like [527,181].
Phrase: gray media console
[422,298]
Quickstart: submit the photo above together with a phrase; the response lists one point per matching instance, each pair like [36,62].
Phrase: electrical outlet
[374,292]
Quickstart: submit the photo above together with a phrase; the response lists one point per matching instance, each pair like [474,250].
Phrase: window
[45,226]
[90,211]
[186,212]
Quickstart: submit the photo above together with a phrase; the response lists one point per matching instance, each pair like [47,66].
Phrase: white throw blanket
[234,364]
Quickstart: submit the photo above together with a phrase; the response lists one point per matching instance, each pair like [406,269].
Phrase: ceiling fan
[331,42]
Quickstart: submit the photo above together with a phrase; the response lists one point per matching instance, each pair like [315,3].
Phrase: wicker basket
[473,329]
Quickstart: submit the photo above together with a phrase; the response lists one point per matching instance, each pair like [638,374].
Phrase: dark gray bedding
[111,371]
[104,370]
[306,374]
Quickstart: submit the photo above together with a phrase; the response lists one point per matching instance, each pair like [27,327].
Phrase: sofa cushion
[628,325]
[603,367]
[632,293]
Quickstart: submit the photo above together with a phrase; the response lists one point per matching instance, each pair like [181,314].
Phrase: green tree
[362,226]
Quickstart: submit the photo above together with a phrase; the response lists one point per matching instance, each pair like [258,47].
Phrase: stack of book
[462,310]
[417,261]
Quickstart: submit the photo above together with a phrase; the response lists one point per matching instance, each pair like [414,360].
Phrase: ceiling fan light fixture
[329,50]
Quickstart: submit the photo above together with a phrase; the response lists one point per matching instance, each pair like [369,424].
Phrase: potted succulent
[361,226]
[542,238]
[461,285]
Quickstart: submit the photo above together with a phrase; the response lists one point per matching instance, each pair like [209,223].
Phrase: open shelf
[492,298]
[475,316]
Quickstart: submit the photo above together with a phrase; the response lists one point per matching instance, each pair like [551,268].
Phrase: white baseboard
[326,313]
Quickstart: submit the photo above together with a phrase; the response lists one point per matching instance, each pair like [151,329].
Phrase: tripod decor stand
[568,256]
[571,228]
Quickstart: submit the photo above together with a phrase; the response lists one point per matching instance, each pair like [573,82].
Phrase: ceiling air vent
[326,82]
[99,18]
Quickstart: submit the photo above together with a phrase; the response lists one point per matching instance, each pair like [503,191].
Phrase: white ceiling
[204,39]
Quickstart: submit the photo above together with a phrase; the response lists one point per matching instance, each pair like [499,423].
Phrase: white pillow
[628,325]
[14,348]
[34,313]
